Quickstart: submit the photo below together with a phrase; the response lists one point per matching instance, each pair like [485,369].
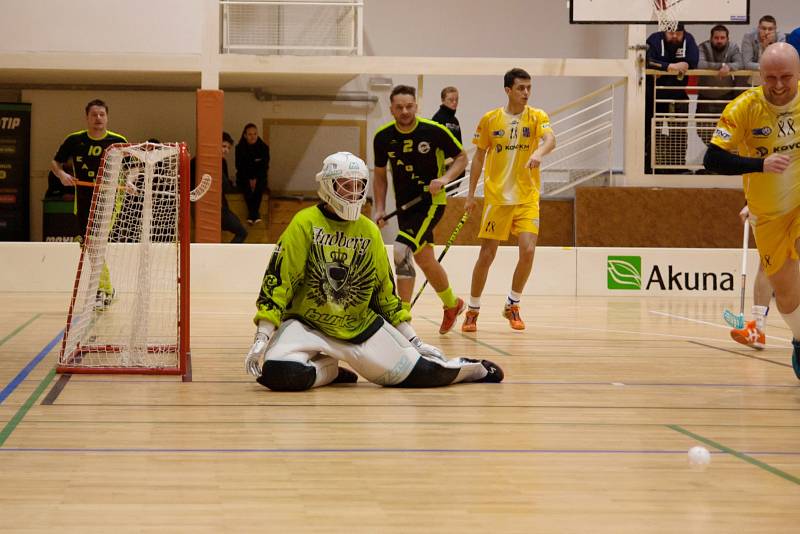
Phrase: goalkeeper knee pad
[287,376]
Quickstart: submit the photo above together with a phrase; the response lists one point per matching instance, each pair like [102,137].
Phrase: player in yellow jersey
[512,140]
[758,136]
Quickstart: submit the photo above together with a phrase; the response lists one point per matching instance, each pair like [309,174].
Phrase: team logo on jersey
[764,131]
[786,127]
[336,270]
[341,277]
[723,134]
[762,151]
[526,132]
[498,133]
[424,147]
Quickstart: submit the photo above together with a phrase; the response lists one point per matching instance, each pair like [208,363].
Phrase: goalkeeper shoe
[512,314]
[103,300]
[450,315]
[470,321]
[750,335]
[493,372]
[345,376]
[796,358]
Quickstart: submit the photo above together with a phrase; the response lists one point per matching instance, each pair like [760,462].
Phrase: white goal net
[129,308]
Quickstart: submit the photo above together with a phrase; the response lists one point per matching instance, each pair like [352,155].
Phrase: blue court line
[22,375]
[369,450]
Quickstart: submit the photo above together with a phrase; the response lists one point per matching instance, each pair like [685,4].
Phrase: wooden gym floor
[589,432]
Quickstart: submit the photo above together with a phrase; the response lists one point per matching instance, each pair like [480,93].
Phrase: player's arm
[547,145]
[720,161]
[57,164]
[452,149]
[58,169]
[379,186]
[285,267]
[379,183]
[474,175]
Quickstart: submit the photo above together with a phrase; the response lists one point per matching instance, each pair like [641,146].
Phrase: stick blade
[735,320]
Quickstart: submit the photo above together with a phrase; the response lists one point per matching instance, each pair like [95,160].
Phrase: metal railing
[584,130]
[298,27]
[680,128]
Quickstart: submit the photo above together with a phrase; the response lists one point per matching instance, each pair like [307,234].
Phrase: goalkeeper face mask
[343,183]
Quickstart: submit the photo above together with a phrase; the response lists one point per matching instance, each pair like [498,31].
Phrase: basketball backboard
[642,11]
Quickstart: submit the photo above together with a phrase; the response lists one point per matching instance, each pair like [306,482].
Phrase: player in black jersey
[417,148]
[85,149]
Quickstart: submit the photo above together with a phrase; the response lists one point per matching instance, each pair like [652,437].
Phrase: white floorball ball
[699,457]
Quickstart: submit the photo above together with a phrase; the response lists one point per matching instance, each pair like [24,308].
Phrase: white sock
[513,298]
[793,320]
[760,315]
[474,303]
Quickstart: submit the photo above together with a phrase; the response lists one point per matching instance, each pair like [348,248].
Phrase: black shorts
[417,224]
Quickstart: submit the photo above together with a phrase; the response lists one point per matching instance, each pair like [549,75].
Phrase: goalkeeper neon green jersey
[333,275]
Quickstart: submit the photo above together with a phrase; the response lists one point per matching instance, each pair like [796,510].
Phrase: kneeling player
[328,295]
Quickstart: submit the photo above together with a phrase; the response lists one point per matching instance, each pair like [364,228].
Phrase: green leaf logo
[624,272]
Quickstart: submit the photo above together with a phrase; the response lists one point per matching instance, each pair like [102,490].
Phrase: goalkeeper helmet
[343,183]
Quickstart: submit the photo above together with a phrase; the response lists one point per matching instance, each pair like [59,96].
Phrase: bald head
[782,53]
[780,72]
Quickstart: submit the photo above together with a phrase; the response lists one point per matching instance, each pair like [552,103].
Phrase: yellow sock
[447,297]
[105,280]
[406,305]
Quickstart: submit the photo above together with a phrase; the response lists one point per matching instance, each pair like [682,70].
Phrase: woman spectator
[252,164]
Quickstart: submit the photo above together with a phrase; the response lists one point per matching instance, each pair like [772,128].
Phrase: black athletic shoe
[346,376]
[796,358]
[493,372]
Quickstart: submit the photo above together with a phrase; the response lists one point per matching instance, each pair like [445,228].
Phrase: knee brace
[403,261]
[280,375]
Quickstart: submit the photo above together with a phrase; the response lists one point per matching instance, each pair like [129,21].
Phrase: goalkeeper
[328,295]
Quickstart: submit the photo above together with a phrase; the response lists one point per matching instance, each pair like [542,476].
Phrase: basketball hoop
[667,14]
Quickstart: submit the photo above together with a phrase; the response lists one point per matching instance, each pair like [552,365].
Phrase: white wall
[101,26]
[50,267]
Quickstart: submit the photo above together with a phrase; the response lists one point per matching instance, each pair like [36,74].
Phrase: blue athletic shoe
[796,358]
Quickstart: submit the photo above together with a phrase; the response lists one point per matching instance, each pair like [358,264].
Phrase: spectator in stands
[794,39]
[252,165]
[673,52]
[230,222]
[755,42]
[446,116]
[717,53]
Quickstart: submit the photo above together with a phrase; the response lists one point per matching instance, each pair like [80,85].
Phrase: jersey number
[95,150]
[408,145]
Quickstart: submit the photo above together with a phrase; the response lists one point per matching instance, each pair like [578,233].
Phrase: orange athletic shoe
[450,315]
[512,314]
[750,336]
[470,321]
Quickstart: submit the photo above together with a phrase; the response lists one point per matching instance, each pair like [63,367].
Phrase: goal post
[129,311]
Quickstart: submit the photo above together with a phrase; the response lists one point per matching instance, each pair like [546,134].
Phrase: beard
[719,48]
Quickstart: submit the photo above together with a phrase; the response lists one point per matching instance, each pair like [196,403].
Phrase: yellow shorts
[776,239]
[498,221]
